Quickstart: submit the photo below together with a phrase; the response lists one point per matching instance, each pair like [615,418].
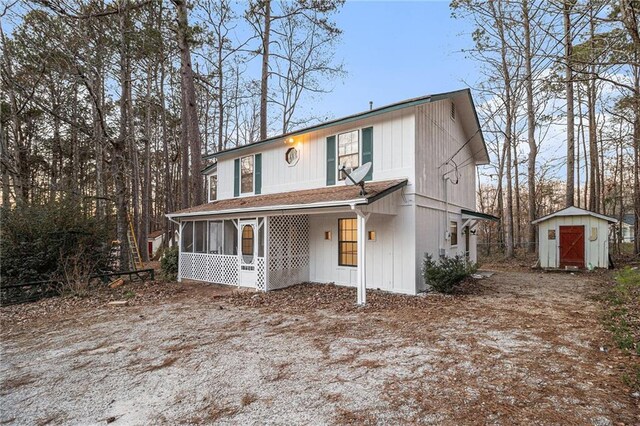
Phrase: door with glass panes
[248,252]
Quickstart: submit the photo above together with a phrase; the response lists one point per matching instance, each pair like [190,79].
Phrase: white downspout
[445,178]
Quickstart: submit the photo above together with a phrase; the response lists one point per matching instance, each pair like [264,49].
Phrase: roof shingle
[304,198]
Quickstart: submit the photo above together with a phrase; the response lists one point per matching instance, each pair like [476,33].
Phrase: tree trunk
[531,129]
[190,126]
[119,160]
[568,51]
[264,76]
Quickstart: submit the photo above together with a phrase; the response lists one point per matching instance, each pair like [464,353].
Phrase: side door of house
[572,246]
[247,251]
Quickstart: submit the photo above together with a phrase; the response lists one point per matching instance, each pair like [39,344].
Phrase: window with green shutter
[367,150]
[331,160]
[258,174]
[236,177]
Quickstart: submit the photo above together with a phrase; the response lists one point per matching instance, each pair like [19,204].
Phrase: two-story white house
[279,212]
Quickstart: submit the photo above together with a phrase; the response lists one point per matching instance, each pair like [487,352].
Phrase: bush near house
[52,241]
[443,275]
[623,318]
[169,263]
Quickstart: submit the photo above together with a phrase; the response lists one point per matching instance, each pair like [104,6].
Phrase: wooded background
[111,104]
[558,74]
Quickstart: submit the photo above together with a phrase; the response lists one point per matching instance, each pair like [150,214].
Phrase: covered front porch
[316,237]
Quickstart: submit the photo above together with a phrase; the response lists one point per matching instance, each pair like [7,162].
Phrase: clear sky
[396,50]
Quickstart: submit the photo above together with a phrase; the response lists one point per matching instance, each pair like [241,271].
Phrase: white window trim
[209,187]
[451,233]
[359,130]
[253,188]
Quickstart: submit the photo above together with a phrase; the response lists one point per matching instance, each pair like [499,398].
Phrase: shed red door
[572,246]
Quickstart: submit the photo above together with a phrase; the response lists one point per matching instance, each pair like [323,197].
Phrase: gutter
[343,203]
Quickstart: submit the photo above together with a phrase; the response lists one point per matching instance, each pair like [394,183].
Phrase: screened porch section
[265,253]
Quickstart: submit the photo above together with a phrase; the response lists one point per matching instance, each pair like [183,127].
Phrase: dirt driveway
[518,347]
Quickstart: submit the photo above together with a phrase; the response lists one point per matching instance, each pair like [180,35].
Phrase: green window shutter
[331,160]
[236,177]
[258,174]
[367,150]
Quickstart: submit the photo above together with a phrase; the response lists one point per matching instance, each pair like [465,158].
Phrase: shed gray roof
[574,211]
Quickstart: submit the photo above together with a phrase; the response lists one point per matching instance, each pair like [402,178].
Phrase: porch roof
[330,196]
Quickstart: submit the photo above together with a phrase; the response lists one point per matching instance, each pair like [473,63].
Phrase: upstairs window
[246,174]
[213,187]
[348,152]
[453,111]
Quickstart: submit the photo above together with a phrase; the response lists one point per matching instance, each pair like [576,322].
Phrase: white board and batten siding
[393,155]
[389,265]
[438,137]
[596,240]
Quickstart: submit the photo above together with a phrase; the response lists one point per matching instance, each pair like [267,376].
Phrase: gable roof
[574,211]
[476,132]
[155,234]
[329,196]
[211,168]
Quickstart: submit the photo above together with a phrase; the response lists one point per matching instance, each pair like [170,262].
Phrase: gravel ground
[518,347]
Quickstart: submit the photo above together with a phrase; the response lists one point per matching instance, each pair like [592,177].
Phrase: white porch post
[362,255]
[180,226]
[265,229]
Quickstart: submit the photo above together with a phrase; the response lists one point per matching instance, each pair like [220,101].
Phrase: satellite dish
[357,176]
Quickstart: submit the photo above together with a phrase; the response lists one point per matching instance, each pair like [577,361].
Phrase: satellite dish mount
[356,177]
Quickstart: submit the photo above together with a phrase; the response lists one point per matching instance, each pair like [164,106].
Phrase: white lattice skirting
[218,268]
[213,268]
[288,251]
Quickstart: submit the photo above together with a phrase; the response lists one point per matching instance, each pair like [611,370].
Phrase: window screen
[215,237]
[200,237]
[187,237]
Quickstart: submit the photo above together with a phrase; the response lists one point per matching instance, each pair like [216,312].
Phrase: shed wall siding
[596,252]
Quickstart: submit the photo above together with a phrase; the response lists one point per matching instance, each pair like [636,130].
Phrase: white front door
[248,251]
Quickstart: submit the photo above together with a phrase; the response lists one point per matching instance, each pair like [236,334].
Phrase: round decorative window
[292,156]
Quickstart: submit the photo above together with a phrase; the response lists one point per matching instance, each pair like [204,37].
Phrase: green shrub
[623,316]
[169,263]
[444,274]
[51,241]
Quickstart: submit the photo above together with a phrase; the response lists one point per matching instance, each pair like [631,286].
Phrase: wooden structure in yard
[574,238]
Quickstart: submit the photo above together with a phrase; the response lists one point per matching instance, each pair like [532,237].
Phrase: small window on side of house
[327,235]
[372,235]
[453,230]
[213,187]
[453,111]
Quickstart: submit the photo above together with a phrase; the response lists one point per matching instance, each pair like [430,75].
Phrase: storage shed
[574,238]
